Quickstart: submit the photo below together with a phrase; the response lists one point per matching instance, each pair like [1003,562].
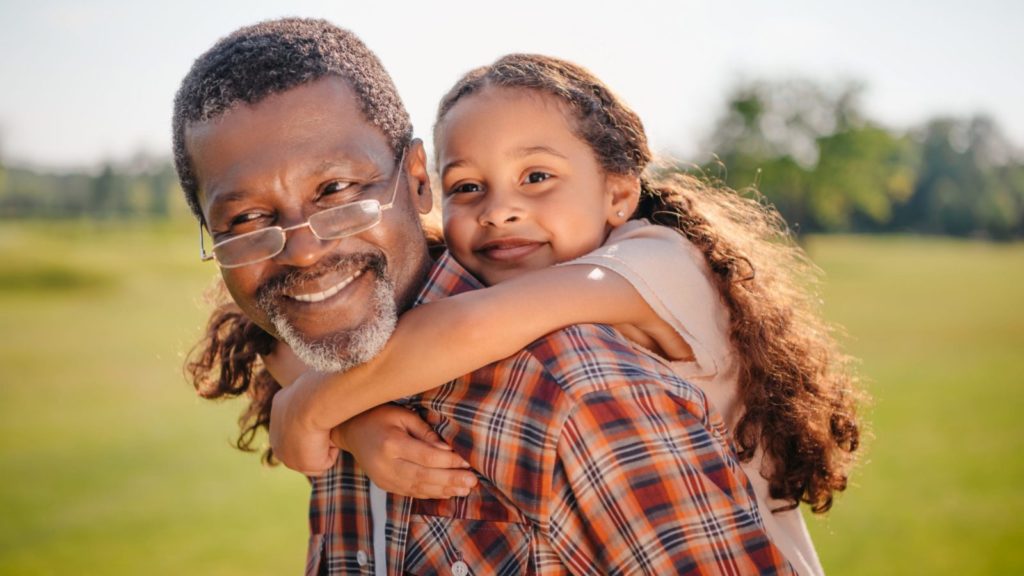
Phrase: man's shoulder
[568,365]
[585,359]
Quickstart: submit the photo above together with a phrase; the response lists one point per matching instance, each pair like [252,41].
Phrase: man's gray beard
[342,351]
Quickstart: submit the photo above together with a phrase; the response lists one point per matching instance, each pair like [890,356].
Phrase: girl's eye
[465,188]
[537,177]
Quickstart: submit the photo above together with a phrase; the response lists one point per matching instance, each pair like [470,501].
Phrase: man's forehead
[309,128]
[327,98]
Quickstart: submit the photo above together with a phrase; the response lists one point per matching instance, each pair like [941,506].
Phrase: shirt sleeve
[670,274]
[642,485]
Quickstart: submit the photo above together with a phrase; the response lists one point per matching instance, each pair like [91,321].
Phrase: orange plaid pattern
[593,458]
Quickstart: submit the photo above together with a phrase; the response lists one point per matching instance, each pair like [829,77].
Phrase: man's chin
[344,349]
[328,354]
[337,352]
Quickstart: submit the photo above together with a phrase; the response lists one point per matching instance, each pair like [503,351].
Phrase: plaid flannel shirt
[593,458]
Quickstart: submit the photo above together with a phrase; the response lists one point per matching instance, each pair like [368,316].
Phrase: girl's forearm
[440,341]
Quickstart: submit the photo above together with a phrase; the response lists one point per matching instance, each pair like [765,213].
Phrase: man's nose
[303,249]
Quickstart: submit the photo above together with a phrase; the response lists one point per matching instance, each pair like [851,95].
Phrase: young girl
[541,164]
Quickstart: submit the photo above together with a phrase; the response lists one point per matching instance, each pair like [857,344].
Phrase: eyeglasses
[330,224]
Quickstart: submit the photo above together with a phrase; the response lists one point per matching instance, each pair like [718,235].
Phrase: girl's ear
[418,177]
[623,194]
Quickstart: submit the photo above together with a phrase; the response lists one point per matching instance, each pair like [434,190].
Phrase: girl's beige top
[673,277]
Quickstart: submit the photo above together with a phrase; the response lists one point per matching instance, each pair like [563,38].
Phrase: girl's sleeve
[670,273]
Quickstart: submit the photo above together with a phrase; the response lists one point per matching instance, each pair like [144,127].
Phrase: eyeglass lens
[345,220]
[330,224]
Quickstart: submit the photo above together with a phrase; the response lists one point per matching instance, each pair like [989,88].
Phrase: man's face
[291,156]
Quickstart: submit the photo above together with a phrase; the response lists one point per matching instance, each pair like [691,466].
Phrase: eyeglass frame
[205,256]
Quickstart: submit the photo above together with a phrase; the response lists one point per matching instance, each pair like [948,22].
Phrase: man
[296,154]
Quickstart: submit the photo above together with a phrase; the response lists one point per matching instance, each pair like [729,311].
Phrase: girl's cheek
[453,228]
[456,218]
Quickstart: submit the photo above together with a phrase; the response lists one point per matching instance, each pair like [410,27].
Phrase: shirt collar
[447,278]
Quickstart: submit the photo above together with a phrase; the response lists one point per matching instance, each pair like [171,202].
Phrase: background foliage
[813,152]
[808,147]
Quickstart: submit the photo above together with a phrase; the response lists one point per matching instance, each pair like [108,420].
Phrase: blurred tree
[765,120]
[101,204]
[163,183]
[139,187]
[64,195]
[25,193]
[861,173]
[3,179]
[970,181]
[811,151]
[113,193]
[3,190]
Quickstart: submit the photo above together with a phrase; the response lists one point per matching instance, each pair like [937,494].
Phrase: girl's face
[520,190]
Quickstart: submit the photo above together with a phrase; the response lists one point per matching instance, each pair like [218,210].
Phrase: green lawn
[939,326]
[112,465]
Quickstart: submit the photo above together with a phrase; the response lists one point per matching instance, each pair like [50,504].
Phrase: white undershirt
[379,517]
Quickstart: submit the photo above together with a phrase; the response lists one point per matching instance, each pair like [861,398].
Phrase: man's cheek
[243,289]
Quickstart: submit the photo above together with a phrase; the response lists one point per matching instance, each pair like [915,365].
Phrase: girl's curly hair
[226,363]
[797,387]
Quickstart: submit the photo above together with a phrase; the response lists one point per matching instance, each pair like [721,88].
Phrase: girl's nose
[500,209]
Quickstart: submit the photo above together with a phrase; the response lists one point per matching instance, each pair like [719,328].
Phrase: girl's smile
[509,249]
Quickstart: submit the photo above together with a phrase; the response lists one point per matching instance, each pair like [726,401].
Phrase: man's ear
[623,195]
[418,178]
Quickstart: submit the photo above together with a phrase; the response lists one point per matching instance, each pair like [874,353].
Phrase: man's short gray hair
[273,57]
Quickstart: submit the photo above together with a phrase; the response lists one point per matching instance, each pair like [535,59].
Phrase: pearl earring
[620,213]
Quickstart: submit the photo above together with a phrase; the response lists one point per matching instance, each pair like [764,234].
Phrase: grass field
[112,465]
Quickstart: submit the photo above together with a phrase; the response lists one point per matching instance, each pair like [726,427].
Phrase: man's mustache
[278,285]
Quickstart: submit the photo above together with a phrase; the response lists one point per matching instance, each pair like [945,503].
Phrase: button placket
[460,568]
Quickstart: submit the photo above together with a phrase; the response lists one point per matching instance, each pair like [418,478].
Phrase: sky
[88,82]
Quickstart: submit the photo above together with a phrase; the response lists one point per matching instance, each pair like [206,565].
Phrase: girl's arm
[440,341]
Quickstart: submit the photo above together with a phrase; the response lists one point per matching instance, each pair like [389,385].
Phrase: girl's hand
[299,442]
[403,455]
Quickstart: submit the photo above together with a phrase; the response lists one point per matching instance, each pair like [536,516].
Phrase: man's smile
[335,284]
[336,298]
[320,296]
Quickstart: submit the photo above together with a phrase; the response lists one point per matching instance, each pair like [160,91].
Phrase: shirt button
[460,569]
[362,558]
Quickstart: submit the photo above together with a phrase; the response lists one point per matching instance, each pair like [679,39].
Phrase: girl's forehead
[491,95]
[510,108]
[501,131]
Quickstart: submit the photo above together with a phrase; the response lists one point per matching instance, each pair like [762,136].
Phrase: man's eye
[536,177]
[465,187]
[248,222]
[335,187]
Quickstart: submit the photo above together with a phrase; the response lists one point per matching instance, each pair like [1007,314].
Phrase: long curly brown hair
[798,389]
[226,363]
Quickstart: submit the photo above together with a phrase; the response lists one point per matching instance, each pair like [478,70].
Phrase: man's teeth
[321,296]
